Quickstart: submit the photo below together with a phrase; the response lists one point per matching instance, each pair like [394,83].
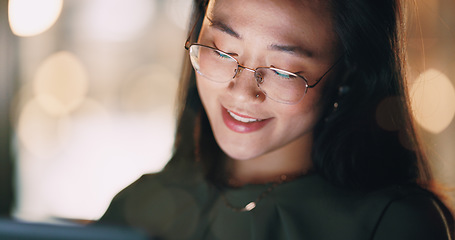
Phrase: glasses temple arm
[333,66]
[188,42]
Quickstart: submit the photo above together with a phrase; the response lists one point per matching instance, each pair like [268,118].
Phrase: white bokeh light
[32,17]
[433,100]
[116,20]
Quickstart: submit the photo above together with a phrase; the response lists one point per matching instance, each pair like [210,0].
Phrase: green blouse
[182,205]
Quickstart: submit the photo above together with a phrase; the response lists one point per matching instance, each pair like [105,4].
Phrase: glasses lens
[217,66]
[280,85]
[213,64]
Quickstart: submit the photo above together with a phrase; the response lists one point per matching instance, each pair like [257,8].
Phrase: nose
[243,86]
[240,69]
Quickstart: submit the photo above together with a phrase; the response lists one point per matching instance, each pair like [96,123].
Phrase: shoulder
[118,208]
[394,212]
[162,193]
[412,213]
[184,177]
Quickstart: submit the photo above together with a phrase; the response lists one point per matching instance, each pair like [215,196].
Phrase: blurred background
[87,92]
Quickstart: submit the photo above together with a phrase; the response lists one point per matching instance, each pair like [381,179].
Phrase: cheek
[304,114]
[208,93]
[203,90]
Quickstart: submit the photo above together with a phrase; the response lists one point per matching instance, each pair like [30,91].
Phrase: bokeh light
[39,132]
[61,83]
[31,17]
[103,153]
[149,88]
[179,11]
[433,101]
[116,20]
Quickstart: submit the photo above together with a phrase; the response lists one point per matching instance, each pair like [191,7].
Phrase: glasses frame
[188,44]
[257,76]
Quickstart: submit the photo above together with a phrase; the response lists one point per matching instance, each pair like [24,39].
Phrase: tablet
[16,230]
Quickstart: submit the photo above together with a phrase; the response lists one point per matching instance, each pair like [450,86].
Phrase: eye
[222,55]
[282,74]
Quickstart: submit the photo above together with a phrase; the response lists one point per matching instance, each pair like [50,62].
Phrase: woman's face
[294,35]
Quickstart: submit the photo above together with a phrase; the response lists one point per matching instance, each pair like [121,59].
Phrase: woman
[294,124]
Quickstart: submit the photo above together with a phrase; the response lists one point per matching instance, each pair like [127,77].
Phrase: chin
[239,157]
[240,154]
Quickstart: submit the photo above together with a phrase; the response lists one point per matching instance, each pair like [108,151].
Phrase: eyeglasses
[277,84]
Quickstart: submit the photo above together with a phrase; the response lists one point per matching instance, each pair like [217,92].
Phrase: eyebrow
[290,49]
[223,27]
[294,50]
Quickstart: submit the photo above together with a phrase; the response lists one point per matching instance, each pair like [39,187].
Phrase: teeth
[242,119]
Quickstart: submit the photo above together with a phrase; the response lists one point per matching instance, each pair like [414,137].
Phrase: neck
[283,164]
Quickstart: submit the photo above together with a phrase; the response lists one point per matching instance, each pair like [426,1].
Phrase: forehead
[292,20]
[284,9]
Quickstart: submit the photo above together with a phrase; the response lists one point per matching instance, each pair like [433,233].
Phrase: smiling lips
[241,123]
[242,119]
